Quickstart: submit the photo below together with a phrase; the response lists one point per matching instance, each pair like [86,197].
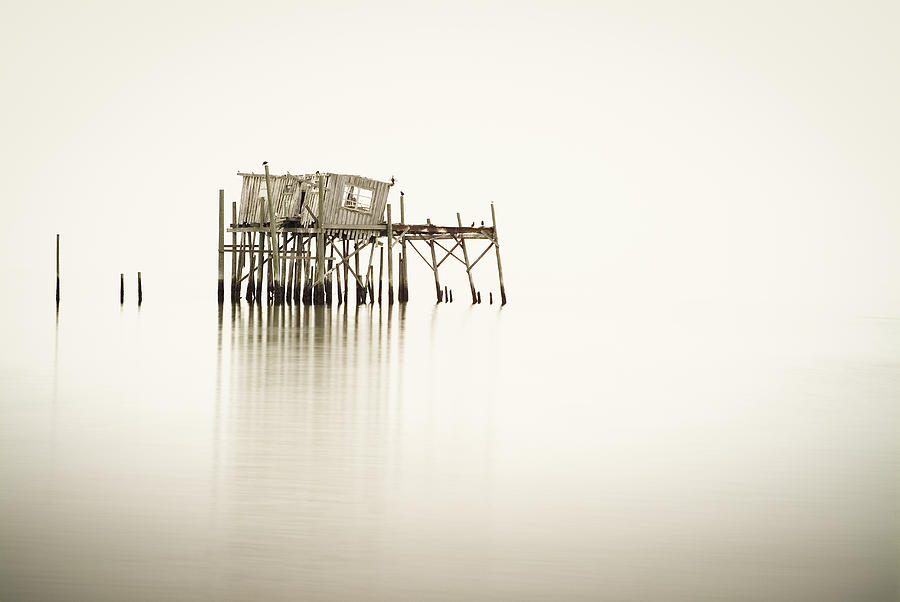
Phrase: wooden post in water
[390,254]
[319,289]
[466,257]
[479,297]
[221,246]
[337,274]
[251,275]
[437,280]
[371,283]
[298,269]
[491,298]
[328,287]
[260,260]
[451,296]
[235,285]
[240,268]
[121,289]
[360,289]
[57,270]
[380,271]
[273,232]
[403,293]
[345,244]
[140,291]
[497,249]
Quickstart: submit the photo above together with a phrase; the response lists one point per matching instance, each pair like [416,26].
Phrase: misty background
[638,153]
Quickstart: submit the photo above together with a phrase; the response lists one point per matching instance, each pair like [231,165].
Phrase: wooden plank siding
[290,193]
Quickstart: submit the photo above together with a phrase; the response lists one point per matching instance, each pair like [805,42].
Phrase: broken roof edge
[312,175]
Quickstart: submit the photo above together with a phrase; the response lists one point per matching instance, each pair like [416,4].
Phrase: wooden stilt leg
[390,256]
[251,272]
[260,260]
[234,255]
[497,249]
[466,257]
[221,246]
[403,293]
[380,271]
[434,267]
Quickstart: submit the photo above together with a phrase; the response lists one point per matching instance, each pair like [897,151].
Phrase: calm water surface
[447,453]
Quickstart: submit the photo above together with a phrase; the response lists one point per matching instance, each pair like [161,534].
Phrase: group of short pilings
[140,286]
[319,265]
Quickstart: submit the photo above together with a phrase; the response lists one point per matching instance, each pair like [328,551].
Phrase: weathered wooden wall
[290,193]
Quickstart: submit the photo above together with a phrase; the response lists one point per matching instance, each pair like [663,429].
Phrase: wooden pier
[306,231]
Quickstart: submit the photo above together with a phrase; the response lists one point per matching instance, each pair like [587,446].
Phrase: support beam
[499,265]
[221,246]
[380,271]
[251,275]
[319,289]
[403,293]
[434,266]
[235,286]
[273,233]
[259,264]
[390,255]
[468,267]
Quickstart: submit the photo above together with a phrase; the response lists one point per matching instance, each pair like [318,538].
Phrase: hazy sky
[700,152]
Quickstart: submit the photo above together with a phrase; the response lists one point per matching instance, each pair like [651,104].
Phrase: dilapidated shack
[306,228]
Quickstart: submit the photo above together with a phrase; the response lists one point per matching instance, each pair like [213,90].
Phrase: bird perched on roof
[265,162]
[482,223]
[392,180]
[473,225]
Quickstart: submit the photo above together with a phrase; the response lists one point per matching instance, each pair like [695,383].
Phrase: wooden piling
[479,297]
[221,246]
[57,270]
[121,289]
[403,292]
[240,268]
[466,257]
[319,289]
[235,285]
[390,255]
[360,289]
[434,266]
[270,275]
[340,287]
[497,249]
[307,284]
[451,296]
[446,295]
[140,290]
[251,274]
[346,248]
[380,271]
[328,287]
[260,261]
[274,267]
[371,284]
[298,269]
[491,298]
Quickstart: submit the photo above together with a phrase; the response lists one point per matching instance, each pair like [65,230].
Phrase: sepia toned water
[538,452]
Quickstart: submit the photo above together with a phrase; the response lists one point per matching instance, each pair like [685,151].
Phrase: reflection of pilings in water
[217,416]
